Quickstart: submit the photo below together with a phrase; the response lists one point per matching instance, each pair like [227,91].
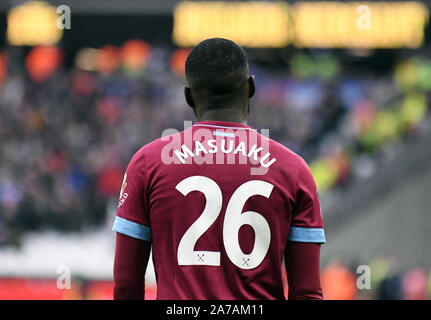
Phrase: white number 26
[233,221]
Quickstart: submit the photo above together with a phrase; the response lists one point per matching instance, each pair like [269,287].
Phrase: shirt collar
[222,124]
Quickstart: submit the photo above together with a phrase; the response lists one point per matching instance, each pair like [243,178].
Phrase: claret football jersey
[219,201]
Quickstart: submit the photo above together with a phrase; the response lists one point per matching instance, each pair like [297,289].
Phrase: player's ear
[251,86]
[189,98]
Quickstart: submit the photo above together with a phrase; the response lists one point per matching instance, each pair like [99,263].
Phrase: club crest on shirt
[123,185]
[318,198]
[123,196]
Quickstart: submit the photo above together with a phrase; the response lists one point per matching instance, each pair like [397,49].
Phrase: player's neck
[226,114]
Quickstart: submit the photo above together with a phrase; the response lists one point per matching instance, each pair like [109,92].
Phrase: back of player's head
[217,67]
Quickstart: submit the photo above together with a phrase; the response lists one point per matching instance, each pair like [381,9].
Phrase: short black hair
[217,66]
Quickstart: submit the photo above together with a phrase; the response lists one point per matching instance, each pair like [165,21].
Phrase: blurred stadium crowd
[387,282]
[67,133]
[339,282]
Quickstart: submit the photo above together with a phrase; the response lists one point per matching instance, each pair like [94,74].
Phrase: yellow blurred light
[324,173]
[250,24]
[413,109]
[386,125]
[324,24]
[407,74]
[33,23]
[337,24]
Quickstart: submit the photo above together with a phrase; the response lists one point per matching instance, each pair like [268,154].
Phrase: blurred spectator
[338,283]
[414,284]
[390,288]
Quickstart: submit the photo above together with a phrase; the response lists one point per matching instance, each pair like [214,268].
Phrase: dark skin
[235,109]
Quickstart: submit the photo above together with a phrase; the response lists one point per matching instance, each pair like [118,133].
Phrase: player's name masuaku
[211,147]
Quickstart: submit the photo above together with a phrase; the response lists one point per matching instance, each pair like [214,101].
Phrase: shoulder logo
[123,185]
[320,205]
[123,195]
